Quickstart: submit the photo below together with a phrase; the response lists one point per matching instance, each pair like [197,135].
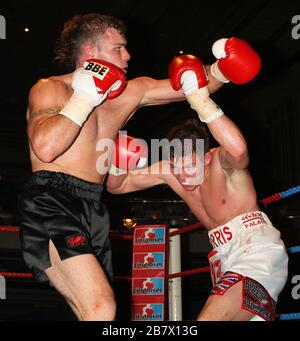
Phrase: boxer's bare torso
[104,122]
[222,196]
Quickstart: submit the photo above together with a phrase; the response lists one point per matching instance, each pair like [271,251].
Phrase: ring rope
[290,316]
[15,229]
[280,195]
[189,272]
[185,229]
[294,249]
[28,275]
[16,274]
[114,235]
[123,278]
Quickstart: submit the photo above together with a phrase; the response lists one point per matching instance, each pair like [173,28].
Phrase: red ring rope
[29,275]
[16,274]
[15,229]
[114,235]
[185,229]
[189,272]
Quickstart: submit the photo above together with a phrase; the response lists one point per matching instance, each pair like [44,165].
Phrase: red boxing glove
[188,72]
[130,153]
[108,77]
[237,61]
[92,83]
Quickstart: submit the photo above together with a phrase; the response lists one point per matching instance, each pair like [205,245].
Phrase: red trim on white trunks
[255,297]
[225,282]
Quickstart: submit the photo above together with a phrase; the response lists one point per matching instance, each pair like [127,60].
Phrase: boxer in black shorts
[67,116]
[68,211]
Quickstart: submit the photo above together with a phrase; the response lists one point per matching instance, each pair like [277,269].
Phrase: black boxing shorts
[68,211]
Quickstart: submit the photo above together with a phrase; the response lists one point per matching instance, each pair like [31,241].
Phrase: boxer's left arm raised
[233,151]
[188,72]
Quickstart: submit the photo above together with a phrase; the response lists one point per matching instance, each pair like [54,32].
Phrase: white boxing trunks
[249,249]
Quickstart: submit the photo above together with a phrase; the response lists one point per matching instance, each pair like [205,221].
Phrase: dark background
[267,110]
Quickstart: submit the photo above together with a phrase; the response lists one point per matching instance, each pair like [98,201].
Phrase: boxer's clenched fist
[130,153]
[188,72]
[92,84]
[237,61]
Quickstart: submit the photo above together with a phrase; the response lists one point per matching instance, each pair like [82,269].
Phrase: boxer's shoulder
[65,79]
[56,86]
[62,82]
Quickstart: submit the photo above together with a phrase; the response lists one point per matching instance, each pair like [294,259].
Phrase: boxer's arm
[50,134]
[187,71]
[233,153]
[138,179]
[213,83]
[161,92]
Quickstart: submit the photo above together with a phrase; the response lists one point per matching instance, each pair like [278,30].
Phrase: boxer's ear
[207,158]
[89,51]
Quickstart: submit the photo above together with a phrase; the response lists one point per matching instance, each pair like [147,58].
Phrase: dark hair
[192,129]
[80,29]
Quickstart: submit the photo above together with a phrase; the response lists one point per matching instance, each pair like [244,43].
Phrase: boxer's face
[188,170]
[112,48]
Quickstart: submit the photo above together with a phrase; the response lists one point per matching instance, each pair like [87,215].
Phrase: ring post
[174,284]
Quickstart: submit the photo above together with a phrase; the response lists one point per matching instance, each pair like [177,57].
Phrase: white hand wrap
[206,108]
[116,171]
[217,74]
[77,109]
[218,50]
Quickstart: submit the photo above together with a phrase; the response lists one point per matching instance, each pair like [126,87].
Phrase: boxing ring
[156,286]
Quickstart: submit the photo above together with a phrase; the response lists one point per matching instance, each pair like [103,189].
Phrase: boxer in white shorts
[248,260]
[249,249]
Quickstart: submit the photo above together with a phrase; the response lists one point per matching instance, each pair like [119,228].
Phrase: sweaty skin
[221,196]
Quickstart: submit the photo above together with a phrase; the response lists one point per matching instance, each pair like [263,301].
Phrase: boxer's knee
[102,308]
[216,309]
